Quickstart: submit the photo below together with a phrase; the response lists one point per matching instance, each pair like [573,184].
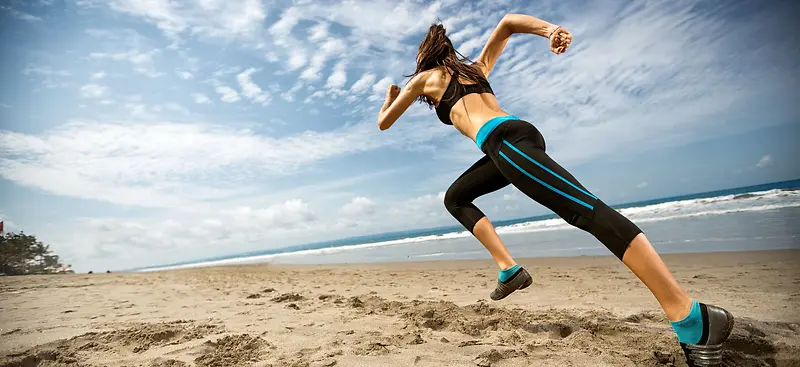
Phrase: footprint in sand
[288,297]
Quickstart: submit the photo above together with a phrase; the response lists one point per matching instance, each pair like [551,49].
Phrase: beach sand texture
[584,311]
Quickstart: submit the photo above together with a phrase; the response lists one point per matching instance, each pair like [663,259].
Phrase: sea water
[764,217]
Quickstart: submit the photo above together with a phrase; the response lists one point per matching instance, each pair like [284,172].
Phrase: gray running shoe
[520,280]
[717,326]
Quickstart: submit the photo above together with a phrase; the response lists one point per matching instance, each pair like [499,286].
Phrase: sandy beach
[582,311]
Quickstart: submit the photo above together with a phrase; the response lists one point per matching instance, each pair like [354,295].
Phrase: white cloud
[363,83]
[317,94]
[338,78]
[211,18]
[470,30]
[601,92]
[359,207]
[289,214]
[332,46]
[250,89]
[144,112]
[381,85]
[185,75]
[98,75]
[258,224]
[142,62]
[474,45]
[225,71]
[513,194]
[138,110]
[49,77]
[201,98]
[615,77]
[271,56]
[228,94]
[387,20]
[172,107]
[102,33]
[423,210]
[318,32]
[20,14]
[764,161]
[397,21]
[373,44]
[131,243]
[283,27]
[642,185]
[44,71]
[297,59]
[288,96]
[93,91]
[158,164]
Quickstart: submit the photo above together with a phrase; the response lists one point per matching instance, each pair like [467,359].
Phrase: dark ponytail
[436,50]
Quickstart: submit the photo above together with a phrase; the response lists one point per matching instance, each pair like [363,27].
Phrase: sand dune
[579,312]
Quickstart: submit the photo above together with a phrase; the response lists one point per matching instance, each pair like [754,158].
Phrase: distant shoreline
[400,235]
[684,258]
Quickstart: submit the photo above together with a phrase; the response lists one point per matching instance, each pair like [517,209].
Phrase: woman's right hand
[560,40]
[392,92]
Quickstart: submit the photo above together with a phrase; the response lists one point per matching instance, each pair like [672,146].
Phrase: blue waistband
[489,126]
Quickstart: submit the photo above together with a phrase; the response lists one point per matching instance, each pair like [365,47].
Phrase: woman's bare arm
[520,23]
[397,101]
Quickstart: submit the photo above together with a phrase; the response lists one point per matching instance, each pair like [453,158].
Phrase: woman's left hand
[560,40]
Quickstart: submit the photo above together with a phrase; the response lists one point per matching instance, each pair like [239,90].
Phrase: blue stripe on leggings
[568,196]
[548,170]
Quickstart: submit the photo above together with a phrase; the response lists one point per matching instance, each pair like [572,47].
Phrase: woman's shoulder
[435,73]
[428,77]
[481,67]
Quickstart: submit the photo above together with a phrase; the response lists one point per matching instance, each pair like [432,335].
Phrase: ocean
[762,217]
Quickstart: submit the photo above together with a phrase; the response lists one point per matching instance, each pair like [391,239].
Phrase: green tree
[22,254]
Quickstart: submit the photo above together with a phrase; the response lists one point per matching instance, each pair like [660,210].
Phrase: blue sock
[690,329]
[508,273]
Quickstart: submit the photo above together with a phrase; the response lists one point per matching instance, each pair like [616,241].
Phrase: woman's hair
[436,50]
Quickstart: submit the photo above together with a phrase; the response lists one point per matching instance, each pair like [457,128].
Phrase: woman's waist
[470,124]
[489,126]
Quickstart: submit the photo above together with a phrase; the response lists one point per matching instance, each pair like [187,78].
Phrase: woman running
[515,154]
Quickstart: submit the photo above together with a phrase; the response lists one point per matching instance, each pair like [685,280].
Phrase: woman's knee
[452,201]
[609,226]
[462,209]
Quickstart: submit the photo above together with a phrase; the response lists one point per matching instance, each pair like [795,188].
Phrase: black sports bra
[452,95]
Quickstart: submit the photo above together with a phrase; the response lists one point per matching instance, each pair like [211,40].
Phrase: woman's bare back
[471,111]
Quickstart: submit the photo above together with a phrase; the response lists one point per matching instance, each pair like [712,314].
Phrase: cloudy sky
[142,132]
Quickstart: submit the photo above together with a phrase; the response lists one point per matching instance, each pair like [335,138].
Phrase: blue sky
[141,132]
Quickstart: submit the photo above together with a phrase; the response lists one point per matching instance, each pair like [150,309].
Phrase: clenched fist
[392,91]
[560,40]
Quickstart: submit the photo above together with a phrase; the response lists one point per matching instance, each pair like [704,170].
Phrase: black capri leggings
[515,154]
